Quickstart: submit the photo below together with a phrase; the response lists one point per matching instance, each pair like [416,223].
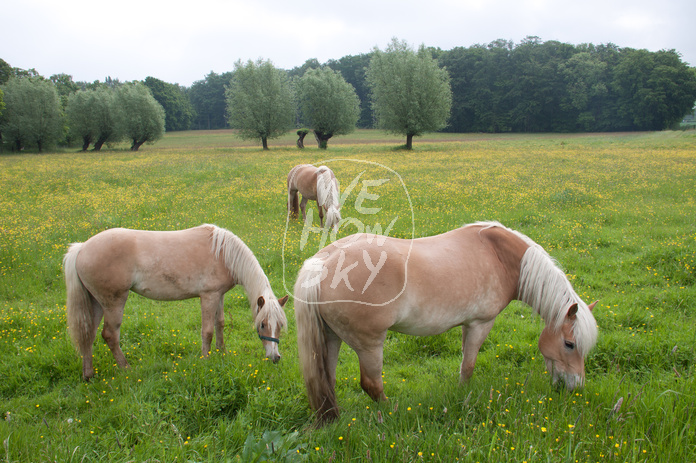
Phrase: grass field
[618,211]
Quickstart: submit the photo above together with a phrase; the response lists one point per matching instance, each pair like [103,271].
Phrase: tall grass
[618,212]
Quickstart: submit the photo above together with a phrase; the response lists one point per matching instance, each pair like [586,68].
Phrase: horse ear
[591,306]
[572,311]
[283,300]
[260,302]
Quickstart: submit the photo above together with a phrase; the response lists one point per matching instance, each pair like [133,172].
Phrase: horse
[204,262]
[361,286]
[318,184]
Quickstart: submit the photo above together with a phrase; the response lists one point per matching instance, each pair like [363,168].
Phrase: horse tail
[293,194]
[79,303]
[311,342]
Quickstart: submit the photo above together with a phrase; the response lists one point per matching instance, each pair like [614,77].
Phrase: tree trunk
[322,139]
[264,142]
[300,141]
[409,141]
[137,144]
[99,143]
[85,143]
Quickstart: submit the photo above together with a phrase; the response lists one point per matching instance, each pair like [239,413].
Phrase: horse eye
[263,325]
[570,345]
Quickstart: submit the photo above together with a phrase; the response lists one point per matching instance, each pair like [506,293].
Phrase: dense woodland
[532,86]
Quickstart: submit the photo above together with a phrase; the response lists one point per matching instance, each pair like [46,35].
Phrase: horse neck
[327,191]
[242,264]
[544,286]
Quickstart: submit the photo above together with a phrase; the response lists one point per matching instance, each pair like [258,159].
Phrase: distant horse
[318,184]
[205,262]
[361,286]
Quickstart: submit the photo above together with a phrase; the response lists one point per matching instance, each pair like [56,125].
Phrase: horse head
[333,217]
[270,320]
[564,360]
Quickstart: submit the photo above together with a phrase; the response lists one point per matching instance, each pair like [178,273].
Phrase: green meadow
[617,211]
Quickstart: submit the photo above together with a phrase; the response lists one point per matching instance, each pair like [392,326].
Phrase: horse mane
[543,285]
[246,271]
[327,191]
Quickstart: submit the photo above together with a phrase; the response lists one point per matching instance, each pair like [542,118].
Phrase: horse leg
[472,339]
[87,365]
[220,324]
[321,216]
[333,347]
[303,207]
[209,310]
[371,372]
[113,316]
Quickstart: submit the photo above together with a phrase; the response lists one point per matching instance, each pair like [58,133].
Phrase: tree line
[533,86]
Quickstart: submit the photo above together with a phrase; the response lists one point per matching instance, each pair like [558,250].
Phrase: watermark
[352,264]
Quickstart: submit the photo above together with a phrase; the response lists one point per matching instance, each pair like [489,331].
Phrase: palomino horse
[361,286]
[318,184]
[205,262]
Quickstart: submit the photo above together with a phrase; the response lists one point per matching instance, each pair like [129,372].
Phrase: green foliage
[410,94]
[141,117]
[93,117]
[328,104]
[33,116]
[177,107]
[208,100]
[273,447]
[260,101]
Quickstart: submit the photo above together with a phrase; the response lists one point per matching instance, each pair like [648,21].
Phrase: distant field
[618,211]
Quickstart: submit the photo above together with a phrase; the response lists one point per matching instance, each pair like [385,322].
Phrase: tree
[353,68]
[177,107]
[208,100]
[410,94]
[328,104]
[260,101]
[92,117]
[141,116]
[32,115]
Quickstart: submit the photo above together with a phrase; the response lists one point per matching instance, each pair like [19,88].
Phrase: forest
[533,86]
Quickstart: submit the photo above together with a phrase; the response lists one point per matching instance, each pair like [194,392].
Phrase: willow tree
[32,114]
[328,104]
[260,102]
[410,93]
[141,116]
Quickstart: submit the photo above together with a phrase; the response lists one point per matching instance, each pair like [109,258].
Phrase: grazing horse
[318,184]
[361,286]
[205,262]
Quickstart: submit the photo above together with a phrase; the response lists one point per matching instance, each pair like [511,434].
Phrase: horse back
[423,286]
[164,265]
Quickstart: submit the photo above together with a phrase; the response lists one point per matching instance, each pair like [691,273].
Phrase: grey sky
[181,42]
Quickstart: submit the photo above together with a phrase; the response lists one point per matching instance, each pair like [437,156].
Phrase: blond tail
[79,303]
[311,342]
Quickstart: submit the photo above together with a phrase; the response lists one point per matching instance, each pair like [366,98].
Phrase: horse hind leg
[88,346]
[113,317]
[371,362]
[293,203]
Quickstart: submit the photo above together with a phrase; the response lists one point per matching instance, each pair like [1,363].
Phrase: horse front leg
[321,216]
[220,324]
[472,339]
[210,316]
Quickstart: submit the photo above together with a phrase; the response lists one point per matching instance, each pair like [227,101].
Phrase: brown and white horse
[318,184]
[205,262]
[361,286]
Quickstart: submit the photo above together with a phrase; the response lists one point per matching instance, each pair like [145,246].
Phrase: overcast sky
[182,41]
